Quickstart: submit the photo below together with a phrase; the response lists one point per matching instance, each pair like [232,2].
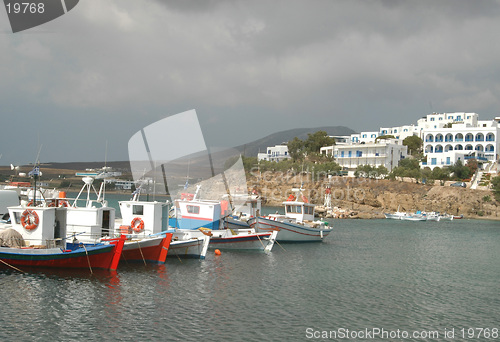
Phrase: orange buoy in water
[217,252]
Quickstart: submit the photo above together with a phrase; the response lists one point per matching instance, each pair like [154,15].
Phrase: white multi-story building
[384,152]
[462,141]
[276,153]
[447,137]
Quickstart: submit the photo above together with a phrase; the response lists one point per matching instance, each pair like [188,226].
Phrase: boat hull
[99,257]
[154,250]
[189,248]
[289,232]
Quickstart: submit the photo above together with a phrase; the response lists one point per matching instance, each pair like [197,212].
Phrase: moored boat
[297,225]
[91,257]
[42,230]
[206,217]
[143,219]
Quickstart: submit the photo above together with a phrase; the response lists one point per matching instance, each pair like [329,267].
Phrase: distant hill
[251,149]
[80,166]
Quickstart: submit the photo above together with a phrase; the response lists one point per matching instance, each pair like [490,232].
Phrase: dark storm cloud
[248,68]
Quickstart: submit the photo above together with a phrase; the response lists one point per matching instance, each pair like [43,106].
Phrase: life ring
[63,203]
[30,219]
[30,203]
[137,227]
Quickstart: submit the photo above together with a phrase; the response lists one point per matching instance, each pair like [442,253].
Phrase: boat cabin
[300,211]
[144,218]
[91,222]
[195,214]
[40,226]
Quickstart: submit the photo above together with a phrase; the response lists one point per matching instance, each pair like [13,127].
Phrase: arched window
[469,137]
[459,137]
[479,137]
[429,138]
[459,147]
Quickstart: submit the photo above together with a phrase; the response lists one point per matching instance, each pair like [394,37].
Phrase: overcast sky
[106,69]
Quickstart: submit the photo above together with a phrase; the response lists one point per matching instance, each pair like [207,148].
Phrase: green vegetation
[414,144]
[305,149]
[495,187]
[385,137]
[460,171]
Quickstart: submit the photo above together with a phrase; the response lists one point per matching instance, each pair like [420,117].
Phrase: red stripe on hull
[157,253]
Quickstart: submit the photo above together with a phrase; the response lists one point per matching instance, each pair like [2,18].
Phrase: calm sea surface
[398,277]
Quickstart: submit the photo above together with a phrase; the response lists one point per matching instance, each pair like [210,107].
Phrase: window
[350,154]
[137,210]
[193,209]
[268,151]
[433,161]
[432,119]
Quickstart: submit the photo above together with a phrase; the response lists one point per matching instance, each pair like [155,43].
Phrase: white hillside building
[464,140]
[276,153]
[384,152]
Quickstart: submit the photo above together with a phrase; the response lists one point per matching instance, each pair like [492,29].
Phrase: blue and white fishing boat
[207,217]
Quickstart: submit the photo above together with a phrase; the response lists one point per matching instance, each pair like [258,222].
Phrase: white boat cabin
[143,218]
[300,211]
[40,226]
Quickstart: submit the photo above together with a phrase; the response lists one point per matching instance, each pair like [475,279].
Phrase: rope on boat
[283,248]
[260,241]
[17,269]
[88,260]
[140,250]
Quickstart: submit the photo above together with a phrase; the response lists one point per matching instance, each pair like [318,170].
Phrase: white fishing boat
[297,225]
[398,215]
[414,217]
[42,242]
[446,217]
[432,216]
[92,222]
[141,219]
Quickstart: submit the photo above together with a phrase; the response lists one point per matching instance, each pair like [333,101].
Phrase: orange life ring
[29,219]
[30,203]
[63,203]
[137,227]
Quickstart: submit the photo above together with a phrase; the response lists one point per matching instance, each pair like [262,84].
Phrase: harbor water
[425,281]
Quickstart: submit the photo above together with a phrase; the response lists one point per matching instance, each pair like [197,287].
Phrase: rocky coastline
[370,198]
